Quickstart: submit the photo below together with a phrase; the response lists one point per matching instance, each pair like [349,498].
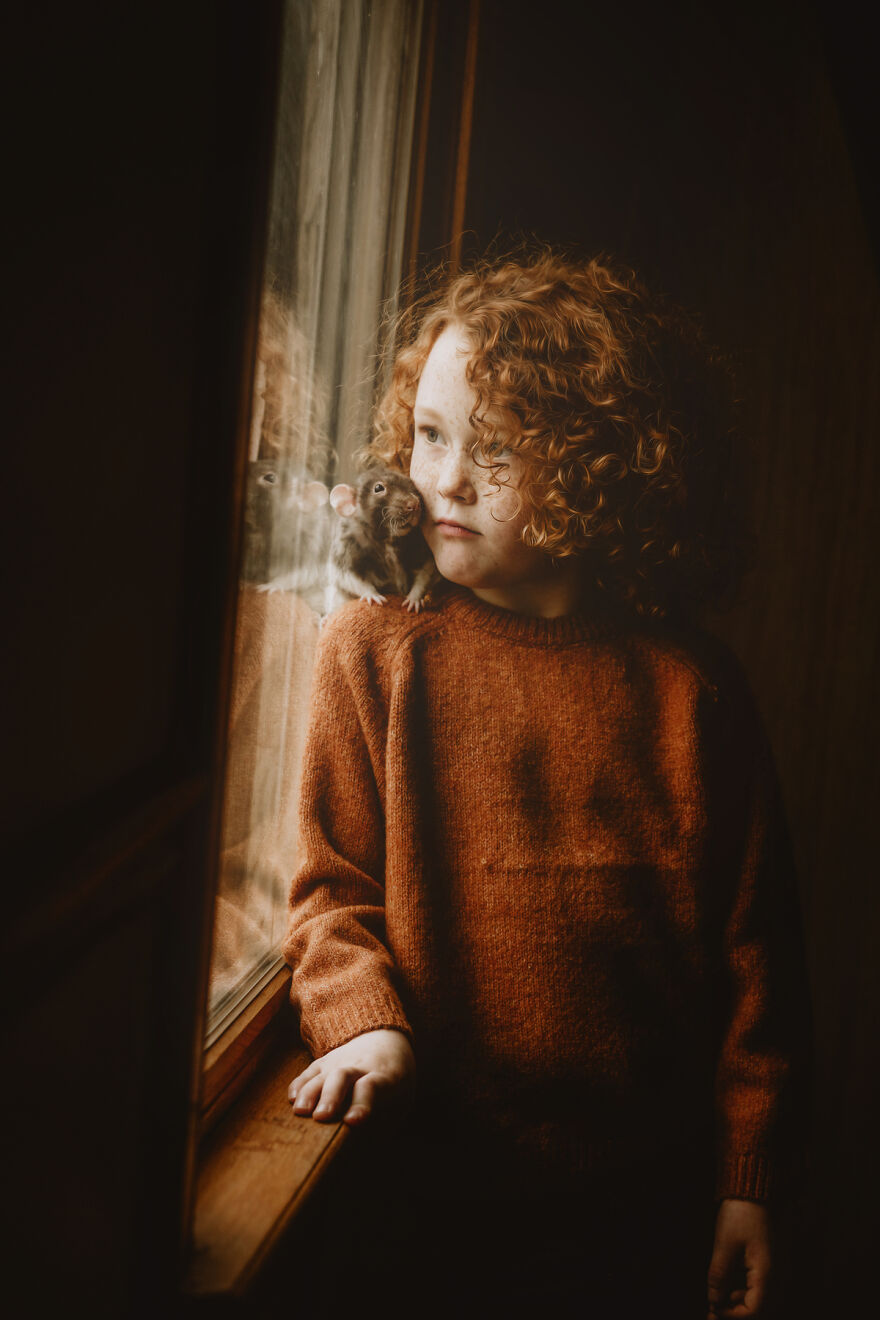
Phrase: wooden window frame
[238,1052]
[254,1163]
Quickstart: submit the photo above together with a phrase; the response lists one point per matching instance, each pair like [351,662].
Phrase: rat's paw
[414,603]
[373,597]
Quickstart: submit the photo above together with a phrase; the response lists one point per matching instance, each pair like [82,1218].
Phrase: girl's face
[474,529]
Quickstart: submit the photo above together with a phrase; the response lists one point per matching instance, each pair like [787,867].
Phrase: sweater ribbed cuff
[746,1177]
[337,1023]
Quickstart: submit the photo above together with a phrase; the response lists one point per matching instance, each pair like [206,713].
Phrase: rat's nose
[412,504]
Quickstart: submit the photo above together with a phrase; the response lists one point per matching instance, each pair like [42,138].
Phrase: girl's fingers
[735,1307]
[306,1075]
[720,1269]
[337,1089]
[363,1098]
[307,1095]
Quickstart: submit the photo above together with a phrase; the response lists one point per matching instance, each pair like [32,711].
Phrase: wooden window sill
[257,1168]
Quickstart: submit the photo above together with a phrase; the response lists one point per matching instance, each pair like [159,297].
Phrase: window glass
[334,251]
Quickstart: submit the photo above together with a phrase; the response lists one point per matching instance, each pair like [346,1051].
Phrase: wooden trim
[234,1058]
[442,141]
[258,1170]
[463,154]
[420,154]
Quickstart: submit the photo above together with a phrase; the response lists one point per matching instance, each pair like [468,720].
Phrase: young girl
[545,861]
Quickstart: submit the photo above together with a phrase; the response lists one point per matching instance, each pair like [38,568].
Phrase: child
[544,853]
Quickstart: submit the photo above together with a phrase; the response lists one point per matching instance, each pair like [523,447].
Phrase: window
[334,252]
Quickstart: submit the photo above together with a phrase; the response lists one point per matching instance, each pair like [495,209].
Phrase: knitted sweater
[552,852]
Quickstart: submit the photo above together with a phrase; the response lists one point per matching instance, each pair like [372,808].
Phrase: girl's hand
[366,1074]
[740,1266]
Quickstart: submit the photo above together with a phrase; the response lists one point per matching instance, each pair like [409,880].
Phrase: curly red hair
[619,411]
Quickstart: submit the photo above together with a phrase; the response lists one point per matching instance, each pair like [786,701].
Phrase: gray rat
[377,548]
[288,526]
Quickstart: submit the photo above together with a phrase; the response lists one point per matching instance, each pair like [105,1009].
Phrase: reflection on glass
[334,247]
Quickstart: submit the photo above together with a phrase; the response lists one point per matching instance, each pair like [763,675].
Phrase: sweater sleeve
[761,1076]
[344,978]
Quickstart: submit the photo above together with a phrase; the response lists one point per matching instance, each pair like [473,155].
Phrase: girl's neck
[557,594]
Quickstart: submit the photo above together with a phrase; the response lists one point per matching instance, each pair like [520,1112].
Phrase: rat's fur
[377,547]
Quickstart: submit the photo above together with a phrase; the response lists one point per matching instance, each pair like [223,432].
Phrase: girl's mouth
[453,529]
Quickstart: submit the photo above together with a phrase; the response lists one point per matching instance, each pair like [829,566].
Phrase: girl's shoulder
[713,664]
[721,691]
[359,628]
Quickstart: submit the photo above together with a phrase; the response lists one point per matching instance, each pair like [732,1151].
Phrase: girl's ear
[344,500]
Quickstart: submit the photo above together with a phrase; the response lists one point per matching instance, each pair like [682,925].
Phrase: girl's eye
[378,488]
[430,434]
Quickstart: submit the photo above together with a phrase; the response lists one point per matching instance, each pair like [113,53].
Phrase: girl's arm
[765,1021]
[344,977]
[761,1079]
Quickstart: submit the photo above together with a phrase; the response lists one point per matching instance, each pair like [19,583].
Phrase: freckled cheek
[509,518]
[507,552]
[506,508]
[419,476]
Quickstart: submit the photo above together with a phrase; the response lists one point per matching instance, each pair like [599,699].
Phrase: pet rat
[377,547]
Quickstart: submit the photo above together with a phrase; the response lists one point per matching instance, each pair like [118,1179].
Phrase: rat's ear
[344,500]
[309,495]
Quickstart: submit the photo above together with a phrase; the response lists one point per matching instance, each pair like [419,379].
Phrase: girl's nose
[455,478]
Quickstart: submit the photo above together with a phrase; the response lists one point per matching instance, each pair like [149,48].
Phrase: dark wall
[132,178]
[111,130]
[703,144]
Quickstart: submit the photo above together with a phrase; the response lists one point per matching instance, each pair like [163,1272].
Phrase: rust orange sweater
[552,851]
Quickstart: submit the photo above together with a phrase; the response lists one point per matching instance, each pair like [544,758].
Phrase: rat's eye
[269,478]
[378,488]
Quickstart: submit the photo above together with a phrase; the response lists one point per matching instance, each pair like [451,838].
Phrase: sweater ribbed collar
[461,604]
